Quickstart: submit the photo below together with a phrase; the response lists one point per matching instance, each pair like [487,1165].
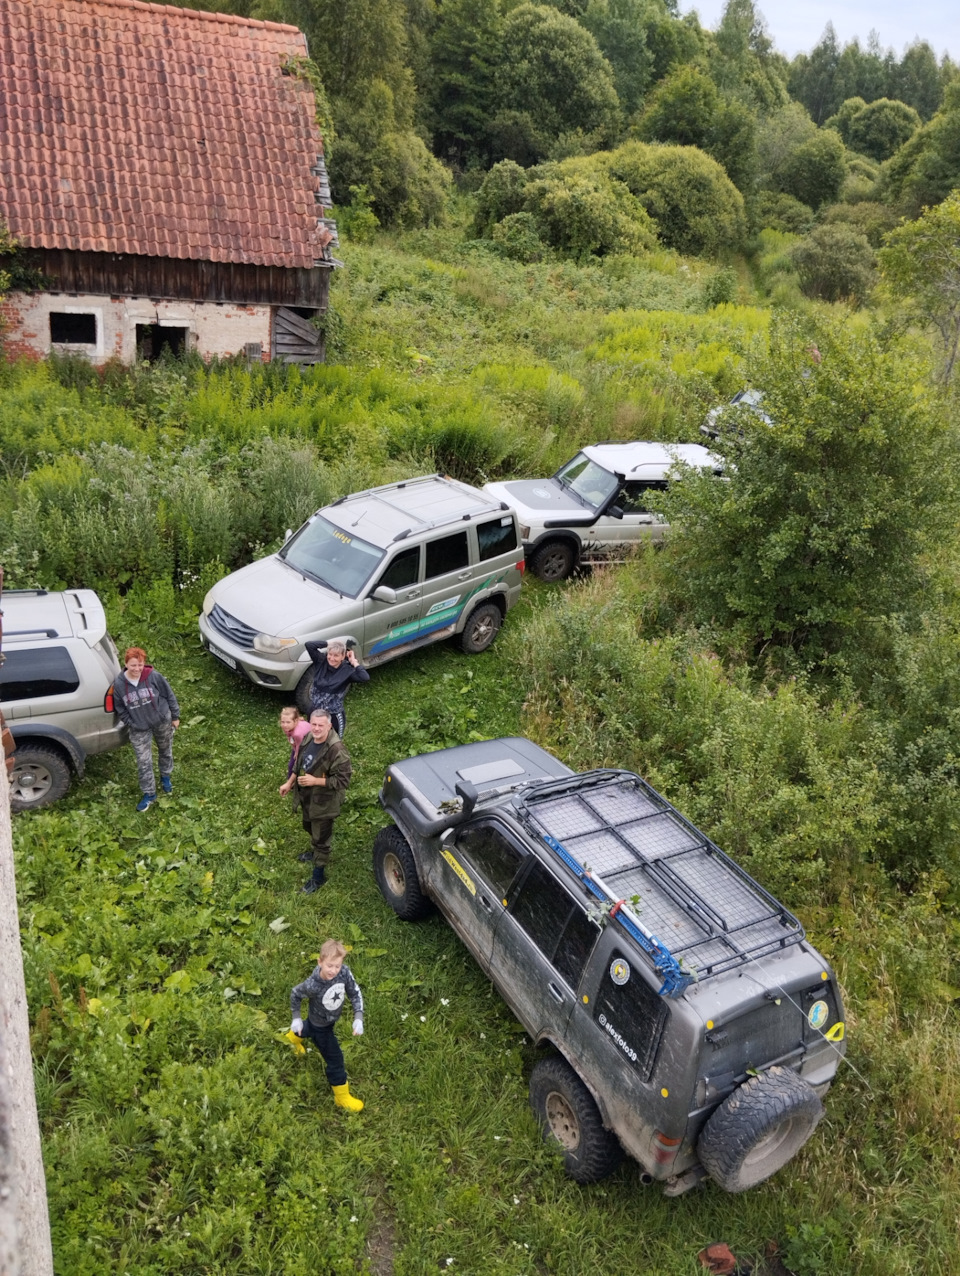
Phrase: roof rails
[655,874]
[423,524]
[22,633]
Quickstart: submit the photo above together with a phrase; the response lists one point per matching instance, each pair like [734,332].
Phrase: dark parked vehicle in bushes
[684,1017]
[56,685]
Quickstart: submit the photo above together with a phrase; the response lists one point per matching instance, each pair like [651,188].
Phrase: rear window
[631,1014]
[555,923]
[497,537]
[32,675]
[448,554]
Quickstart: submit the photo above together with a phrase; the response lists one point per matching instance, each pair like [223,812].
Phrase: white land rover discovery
[596,506]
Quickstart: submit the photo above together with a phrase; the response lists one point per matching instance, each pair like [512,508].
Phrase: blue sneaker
[167,783]
[146,801]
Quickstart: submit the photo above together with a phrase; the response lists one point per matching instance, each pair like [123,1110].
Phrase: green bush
[518,237]
[775,210]
[814,172]
[835,263]
[582,213]
[695,206]
[868,218]
[500,195]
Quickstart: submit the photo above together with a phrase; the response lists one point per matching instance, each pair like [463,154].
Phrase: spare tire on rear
[758,1129]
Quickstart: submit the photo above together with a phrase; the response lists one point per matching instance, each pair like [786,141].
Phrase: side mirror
[384,594]
[615,512]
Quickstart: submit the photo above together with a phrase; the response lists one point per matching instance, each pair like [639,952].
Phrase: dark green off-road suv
[684,1017]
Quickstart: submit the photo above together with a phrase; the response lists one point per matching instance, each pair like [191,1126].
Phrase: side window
[403,570]
[497,537]
[496,858]
[555,923]
[31,675]
[447,555]
[635,497]
[630,1013]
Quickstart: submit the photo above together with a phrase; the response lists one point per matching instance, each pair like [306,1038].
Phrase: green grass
[181,1134]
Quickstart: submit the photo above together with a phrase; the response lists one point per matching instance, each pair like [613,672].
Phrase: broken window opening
[72,330]
[153,339]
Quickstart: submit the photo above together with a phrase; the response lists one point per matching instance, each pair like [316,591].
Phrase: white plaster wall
[213,328]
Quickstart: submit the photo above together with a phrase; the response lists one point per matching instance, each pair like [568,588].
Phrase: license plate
[222,657]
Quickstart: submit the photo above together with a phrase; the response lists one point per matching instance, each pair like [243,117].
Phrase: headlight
[524,533]
[208,603]
[270,645]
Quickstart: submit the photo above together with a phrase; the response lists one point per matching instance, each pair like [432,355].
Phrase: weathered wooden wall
[121,275]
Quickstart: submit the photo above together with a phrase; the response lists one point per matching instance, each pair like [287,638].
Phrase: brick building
[162,169]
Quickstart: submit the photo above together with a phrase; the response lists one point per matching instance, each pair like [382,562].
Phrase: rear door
[447,580]
[541,947]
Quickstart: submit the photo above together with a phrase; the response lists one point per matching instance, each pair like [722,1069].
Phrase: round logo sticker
[817,1014]
[332,999]
[620,971]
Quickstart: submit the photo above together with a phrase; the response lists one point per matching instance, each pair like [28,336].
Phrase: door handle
[484,903]
[414,593]
[555,992]
[465,575]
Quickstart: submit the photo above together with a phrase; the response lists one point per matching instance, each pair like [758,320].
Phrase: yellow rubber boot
[344,1099]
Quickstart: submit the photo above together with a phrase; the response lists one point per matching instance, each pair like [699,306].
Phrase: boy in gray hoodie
[146,703]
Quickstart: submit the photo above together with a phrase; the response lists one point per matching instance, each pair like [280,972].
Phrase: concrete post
[24,1224]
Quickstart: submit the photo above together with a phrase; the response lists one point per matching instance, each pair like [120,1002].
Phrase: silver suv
[56,684]
[387,570]
[596,508]
[681,1013]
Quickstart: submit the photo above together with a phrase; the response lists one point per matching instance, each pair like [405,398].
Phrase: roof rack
[657,875]
[378,494]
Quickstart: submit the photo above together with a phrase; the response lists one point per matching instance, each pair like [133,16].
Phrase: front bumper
[276,673]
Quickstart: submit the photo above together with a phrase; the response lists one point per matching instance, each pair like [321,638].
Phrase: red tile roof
[158,131]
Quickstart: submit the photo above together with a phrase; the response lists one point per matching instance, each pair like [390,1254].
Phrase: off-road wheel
[396,873]
[303,695]
[481,629]
[554,561]
[758,1129]
[40,776]
[570,1119]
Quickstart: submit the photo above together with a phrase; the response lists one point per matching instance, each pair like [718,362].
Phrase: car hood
[537,496]
[275,599]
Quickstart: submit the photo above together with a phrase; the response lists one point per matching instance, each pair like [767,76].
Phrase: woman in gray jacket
[146,703]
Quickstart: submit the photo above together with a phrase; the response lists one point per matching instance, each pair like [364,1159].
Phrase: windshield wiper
[309,575]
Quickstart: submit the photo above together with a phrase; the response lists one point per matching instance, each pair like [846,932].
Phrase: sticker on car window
[619,971]
[460,872]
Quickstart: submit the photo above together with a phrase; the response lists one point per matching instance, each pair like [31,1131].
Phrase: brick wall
[212,328]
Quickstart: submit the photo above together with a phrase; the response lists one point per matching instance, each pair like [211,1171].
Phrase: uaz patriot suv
[684,1016]
[387,570]
[56,689]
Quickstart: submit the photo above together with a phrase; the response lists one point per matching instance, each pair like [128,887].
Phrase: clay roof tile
[155,130]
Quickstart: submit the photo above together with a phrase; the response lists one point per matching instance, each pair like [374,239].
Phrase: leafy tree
[881,128]
[843,119]
[814,172]
[502,194]
[812,78]
[927,168]
[830,510]
[918,80]
[466,50]
[921,264]
[407,186]
[673,43]
[620,30]
[778,136]
[585,213]
[363,52]
[869,218]
[742,62]
[835,263]
[518,237]
[554,81]
[775,210]
[696,207]
[687,109]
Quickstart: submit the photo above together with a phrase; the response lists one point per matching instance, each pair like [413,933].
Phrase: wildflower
[423,1018]
[353,1218]
[444,1001]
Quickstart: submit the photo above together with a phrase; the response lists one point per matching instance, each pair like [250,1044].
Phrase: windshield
[591,482]
[332,557]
